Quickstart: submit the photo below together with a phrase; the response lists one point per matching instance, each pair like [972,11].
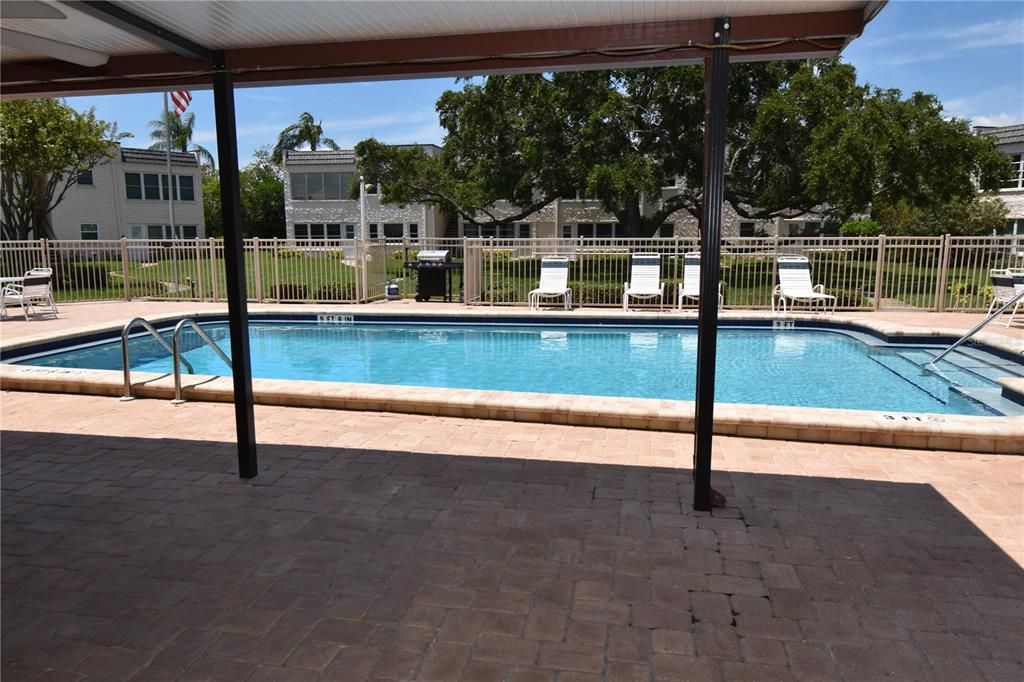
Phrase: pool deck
[386,546]
[946,432]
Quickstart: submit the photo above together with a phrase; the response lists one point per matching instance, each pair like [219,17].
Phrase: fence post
[213,269]
[256,257]
[275,292]
[943,278]
[198,291]
[879,267]
[364,261]
[490,252]
[124,269]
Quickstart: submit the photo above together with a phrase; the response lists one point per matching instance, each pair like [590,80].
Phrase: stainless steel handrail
[176,352]
[1018,297]
[125,331]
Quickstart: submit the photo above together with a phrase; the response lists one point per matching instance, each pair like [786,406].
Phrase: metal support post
[716,87]
[234,264]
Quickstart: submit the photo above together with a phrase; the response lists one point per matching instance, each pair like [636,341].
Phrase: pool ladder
[1016,299]
[174,348]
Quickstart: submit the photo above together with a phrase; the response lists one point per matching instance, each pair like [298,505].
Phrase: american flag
[181,99]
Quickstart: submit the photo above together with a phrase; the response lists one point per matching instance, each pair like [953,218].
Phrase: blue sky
[970,54]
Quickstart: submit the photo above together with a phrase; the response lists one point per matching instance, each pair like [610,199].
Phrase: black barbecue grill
[434,270]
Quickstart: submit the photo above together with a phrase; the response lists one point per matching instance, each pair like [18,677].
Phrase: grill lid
[434,256]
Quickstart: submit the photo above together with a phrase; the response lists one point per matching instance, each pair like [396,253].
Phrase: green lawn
[597,280]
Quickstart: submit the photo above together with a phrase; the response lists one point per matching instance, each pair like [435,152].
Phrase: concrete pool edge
[996,435]
[993,434]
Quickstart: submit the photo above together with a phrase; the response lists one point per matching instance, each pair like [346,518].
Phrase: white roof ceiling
[231,24]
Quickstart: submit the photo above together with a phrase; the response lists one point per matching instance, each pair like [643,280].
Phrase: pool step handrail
[178,359]
[978,327]
[125,331]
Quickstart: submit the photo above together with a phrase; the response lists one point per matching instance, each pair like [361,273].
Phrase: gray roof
[133,155]
[1006,134]
[305,157]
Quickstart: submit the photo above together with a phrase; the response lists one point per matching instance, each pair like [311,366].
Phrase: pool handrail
[125,331]
[176,353]
[978,327]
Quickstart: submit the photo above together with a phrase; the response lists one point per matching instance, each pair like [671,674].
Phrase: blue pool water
[755,365]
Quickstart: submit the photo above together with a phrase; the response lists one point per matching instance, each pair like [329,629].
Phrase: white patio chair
[554,282]
[690,286]
[644,279]
[795,285]
[33,291]
[1005,285]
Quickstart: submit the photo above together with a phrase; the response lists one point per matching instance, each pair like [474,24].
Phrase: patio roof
[156,45]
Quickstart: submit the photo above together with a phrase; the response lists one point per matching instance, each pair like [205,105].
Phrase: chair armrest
[777,291]
[14,288]
[819,288]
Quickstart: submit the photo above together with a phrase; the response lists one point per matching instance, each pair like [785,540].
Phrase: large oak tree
[801,135]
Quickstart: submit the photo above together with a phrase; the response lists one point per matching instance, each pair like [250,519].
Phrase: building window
[570,195]
[320,186]
[154,231]
[186,187]
[85,178]
[667,230]
[334,230]
[153,187]
[316,231]
[414,231]
[373,230]
[1016,180]
[394,230]
[301,231]
[90,231]
[566,231]
[189,232]
[133,185]
[350,232]
[524,230]
[746,229]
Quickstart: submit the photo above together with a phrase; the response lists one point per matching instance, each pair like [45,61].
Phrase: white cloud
[1000,33]
[995,120]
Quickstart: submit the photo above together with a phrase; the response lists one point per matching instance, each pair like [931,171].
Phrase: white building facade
[318,184]
[127,196]
[1010,141]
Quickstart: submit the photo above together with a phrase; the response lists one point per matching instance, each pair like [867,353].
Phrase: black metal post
[234,264]
[716,87]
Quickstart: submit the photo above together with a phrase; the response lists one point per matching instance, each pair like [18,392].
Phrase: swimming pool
[791,367]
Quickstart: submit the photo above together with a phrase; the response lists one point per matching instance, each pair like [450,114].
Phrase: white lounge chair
[1005,285]
[690,287]
[33,291]
[795,285]
[644,279]
[554,282]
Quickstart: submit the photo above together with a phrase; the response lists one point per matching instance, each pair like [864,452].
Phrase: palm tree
[181,136]
[305,131]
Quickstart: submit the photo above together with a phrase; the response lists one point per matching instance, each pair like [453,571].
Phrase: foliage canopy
[45,145]
[801,136]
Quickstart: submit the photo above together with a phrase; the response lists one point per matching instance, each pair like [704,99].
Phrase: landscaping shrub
[860,228]
[290,291]
[335,291]
[290,252]
[501,293]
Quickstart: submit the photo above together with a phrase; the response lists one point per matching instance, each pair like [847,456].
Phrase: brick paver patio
[377,546]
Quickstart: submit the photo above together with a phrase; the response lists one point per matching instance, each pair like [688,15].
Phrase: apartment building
[318,184]
[127,196]
[317,187]
[1010,141]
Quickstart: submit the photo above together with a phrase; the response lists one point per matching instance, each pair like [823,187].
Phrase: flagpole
[170,176]
[170,194]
